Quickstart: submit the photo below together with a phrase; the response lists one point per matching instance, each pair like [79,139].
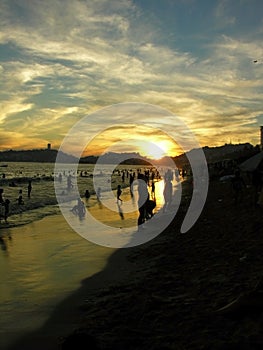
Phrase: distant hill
[117,158]
[41,156]
[50,156]
[213,154]
[238,152]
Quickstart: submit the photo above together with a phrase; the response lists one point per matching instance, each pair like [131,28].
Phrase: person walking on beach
[119,192]
[167,193]
[143,196]
[131,179]
[29,188]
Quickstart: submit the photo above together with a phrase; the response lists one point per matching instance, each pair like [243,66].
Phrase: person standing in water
[20,198]
[29,188]
[6,211]
[79,208]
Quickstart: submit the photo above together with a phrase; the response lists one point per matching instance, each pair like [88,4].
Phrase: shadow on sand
[67,315]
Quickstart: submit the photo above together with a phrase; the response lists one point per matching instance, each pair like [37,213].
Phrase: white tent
[252,163]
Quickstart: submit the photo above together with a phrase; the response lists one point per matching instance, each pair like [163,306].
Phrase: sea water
[42,259]
[40,264]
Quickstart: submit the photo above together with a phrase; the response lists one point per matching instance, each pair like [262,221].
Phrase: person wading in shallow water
[20,198]
[6,211]
[79,208]
[29,188]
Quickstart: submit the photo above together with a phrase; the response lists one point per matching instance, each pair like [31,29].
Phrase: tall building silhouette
[49,146]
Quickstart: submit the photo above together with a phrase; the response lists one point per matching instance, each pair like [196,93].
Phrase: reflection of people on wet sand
[79,208]
[98,193]
[120,211]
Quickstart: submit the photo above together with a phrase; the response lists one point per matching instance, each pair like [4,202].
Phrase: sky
[63,60]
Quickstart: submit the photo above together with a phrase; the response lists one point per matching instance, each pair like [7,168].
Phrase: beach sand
[165,294]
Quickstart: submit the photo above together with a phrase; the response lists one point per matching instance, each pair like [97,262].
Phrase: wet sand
[165,294]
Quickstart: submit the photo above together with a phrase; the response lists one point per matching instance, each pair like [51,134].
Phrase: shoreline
[45,202]
[44,196]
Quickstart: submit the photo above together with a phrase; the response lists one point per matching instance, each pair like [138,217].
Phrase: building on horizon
[49,146]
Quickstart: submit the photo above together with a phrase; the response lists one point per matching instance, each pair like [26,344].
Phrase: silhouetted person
[29,188]
[6,209]
[99,194]
[167,193]
[20,198]
[87,194]
[131,179]
[1,195]
[69,183]
[79,208]
[60,177]
[149,207]
[119,192]
[143,196]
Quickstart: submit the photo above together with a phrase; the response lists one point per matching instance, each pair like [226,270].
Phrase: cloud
[222,14]
[71,58]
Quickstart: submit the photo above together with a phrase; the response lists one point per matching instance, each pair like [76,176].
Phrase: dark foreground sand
[164,294]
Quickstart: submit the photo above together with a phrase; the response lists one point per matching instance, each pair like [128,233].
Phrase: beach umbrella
[252,163]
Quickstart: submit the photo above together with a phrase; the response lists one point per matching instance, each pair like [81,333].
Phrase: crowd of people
[5,202]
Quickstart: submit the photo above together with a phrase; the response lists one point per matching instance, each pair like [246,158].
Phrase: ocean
[43,259]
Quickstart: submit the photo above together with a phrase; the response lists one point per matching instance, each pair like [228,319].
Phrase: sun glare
[155,150]
[141,140]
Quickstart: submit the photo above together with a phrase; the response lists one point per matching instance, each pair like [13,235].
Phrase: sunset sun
[156,149]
